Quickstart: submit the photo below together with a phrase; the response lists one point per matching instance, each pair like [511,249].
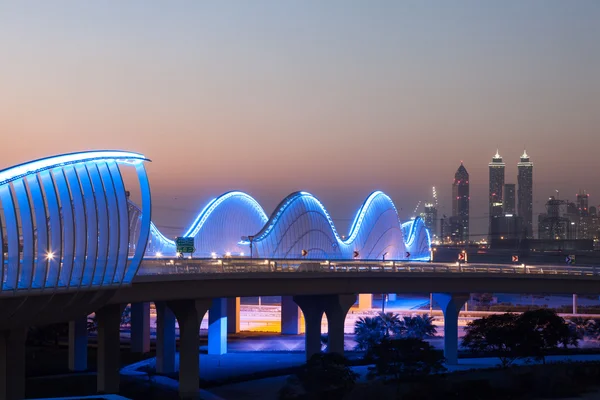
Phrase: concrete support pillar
[313,310]
[189,314]
[78,344]
[290,316]
[336,309]
[109,348]
[12,364]
[233,315]
[217,327]
[140,327]
[450,305]
[574,304]
[365,301]
[165,339]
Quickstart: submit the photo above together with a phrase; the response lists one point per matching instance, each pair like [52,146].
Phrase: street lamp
[250,239]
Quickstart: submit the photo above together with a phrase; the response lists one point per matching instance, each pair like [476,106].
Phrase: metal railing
[171,266]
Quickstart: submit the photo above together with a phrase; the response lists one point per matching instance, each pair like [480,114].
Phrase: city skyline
[247,97]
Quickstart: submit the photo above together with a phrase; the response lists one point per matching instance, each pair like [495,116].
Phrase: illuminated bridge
[73,242]
[235,225]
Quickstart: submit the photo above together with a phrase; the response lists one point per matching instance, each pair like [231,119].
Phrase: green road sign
[185,245]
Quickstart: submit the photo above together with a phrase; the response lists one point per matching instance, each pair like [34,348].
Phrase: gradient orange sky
[338,98]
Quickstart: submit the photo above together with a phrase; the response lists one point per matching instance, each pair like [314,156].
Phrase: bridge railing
[174,266]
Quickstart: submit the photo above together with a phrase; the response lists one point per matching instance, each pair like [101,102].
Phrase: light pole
[250,238]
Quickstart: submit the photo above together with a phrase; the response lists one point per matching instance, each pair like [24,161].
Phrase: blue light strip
[32,167]
[356,224]
[360,215]
[156,233]
[214,203]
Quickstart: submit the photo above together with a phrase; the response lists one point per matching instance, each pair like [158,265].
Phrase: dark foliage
[325,376]
[531,334]
[406,357]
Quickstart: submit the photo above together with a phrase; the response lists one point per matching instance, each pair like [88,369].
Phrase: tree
[327,375]
[406,357]
[579,326]
[391,324]
[593,329]
[545,330]
[499,334]
[419,327]
[369,333]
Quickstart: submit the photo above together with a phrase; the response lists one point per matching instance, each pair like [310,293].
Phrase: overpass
[74,243]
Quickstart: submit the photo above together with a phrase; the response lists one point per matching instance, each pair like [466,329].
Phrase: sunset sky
[338,98]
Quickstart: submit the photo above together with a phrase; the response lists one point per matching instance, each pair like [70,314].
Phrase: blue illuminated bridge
[74,242]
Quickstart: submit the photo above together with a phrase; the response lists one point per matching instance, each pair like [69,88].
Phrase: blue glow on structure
[18,171]
[93,204]
[360,215]
[154,230]
[370,234]
[214,203]
[356,224]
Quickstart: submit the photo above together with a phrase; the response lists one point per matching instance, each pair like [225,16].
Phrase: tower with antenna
[525,193]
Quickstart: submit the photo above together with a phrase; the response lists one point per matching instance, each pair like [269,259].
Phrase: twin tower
[505,199]
[502,195]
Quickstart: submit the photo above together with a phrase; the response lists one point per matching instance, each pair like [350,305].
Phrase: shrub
[406,357]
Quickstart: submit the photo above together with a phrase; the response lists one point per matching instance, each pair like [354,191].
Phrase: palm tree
[369,333]
[580,326]
[419,326]
[593,329]
[390,323]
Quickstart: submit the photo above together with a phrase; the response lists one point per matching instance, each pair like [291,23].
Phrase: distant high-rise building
[496,168]
[553,226]
[584,222]
[510,200]
[525,193]
[430,218]
[582,203]
[460,203]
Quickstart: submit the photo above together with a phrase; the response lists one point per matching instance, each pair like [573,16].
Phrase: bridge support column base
[451,305]
[109,347]
[290,316]
[12,364]
[140,327]
[217,327]
[165,339]
[233,315]
[78,343]
[335,307]
[189,314]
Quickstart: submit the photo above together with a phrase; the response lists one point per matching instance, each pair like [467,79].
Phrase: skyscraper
[582,203]
[496,168]
[460,204]
[525,193]
[510,207]
[430,219]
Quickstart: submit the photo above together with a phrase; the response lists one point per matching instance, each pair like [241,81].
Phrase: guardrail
[172,266]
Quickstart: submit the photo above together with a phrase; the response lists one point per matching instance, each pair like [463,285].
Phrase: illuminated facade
[65,222]
[496,168]
[217,230]
[460,206]
[234,224]
[525,193]
[510,203]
